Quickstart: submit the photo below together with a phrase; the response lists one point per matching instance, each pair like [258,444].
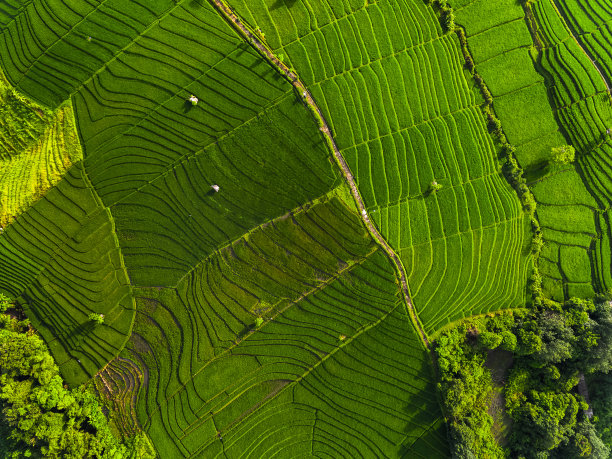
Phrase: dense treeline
[600,391]
[552,345]
[39,415]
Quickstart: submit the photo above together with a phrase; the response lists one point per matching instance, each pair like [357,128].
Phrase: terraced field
[336,352]
[577,260]
[404,115]
[38,146]
[62,261]
[572,200]
[258,299]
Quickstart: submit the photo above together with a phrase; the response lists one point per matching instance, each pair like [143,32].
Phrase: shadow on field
[423,410]
[279,3]
[187,106]
[245,331]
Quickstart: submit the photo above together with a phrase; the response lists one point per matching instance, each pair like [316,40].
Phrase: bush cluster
[552,346]
[39,415]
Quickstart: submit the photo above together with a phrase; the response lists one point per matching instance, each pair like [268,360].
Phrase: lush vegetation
[39,416]
[553,346]
[175,226]
[405,114]
[308,326]
[600,388]
[37,146]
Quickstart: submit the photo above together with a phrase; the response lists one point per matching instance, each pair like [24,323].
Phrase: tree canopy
[39,415]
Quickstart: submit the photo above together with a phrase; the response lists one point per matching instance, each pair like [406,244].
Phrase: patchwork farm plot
[405,115]
[161,172]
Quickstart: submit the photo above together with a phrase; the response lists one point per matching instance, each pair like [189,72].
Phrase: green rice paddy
[248,308]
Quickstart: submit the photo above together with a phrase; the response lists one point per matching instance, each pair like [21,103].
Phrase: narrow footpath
[293,78]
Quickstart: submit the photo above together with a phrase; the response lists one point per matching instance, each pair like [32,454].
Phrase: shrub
[435,187]
[96,317]
[564,154]
[5,302]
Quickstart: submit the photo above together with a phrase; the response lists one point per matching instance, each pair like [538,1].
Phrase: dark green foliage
[38,415]
[467,387]
[557,343]
[600,392]
[96,317]
[552,345]
[543,419]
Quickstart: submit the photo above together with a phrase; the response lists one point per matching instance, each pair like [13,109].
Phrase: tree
[5,303]
[489,340]
[96,317]
[258,322]
[435,187]
[564,154]
[448,19]
[39,416]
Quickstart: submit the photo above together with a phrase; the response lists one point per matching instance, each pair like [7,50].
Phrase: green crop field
[273,207]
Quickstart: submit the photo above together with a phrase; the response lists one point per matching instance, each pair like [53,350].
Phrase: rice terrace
[306,228]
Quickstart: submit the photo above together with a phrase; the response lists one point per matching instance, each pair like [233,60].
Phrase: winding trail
[293,78]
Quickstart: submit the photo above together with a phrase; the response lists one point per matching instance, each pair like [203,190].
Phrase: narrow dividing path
[293,78]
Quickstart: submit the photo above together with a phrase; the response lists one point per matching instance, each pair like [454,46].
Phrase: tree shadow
[429,413]
[245,331]
[187,106]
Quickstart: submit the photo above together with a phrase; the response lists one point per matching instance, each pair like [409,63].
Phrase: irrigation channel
[293,78]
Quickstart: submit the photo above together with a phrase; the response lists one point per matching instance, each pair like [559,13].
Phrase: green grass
[487,44]
[504,73]
[481,15]
[526,115]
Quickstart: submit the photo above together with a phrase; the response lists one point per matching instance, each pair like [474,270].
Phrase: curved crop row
[50,48]
[120,382]
[520,99]
[590,22]
[393,88]
[154,156]
[333,331]
[61,261]
[576,258]
[27,176]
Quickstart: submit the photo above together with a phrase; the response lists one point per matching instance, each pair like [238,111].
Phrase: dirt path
[293,78]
